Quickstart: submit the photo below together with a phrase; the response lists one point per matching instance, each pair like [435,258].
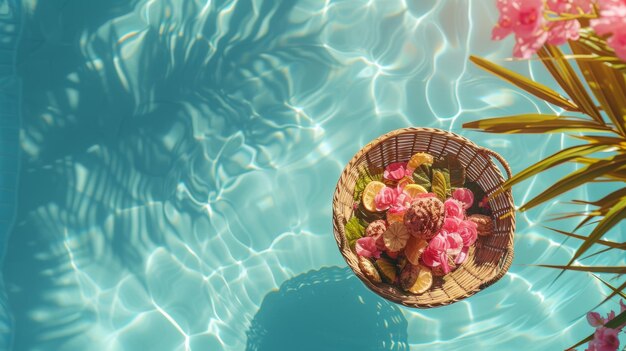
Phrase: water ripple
[180,159]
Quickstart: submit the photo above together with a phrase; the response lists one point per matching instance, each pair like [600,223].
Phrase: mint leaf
[440,187]
[365,177]
[422,175]
[354,229]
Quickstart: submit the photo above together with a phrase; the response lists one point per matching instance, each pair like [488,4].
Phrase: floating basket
[488,259]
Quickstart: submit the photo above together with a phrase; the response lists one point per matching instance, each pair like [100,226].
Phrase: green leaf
[539,90]
[614,245]
[595,269]
[354,229]
[558,158]
[575,179]
[534,123]
[615,291]
[614,216]
[365,177]
[452,169]
[422,176]
[607,85]
[564,74]
[442,165]
[439,185]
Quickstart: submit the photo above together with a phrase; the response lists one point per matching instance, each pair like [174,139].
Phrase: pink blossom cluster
[612,21]
[529,21]
[536,22]
[604,339]
[455,237]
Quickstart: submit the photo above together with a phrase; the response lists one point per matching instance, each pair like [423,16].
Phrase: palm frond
[616,214]
[575,179]
[564,74]
[536,124]
[607,85]
[539,90]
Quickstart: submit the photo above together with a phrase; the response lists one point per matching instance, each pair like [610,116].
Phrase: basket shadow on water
[326,310]
[491,256]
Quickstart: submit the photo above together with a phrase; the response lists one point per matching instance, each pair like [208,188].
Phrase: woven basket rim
[381,289]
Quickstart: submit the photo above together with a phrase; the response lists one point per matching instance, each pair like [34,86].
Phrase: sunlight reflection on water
[180,159]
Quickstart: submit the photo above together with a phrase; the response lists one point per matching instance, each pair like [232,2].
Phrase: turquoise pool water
[177,161]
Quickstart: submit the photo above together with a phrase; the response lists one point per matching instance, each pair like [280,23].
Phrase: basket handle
[500,159]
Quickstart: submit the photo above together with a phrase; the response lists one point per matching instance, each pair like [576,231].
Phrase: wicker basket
[488,259]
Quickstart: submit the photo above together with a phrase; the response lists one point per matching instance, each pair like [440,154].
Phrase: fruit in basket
[425,217]
[408,276]
[414,189]
[368,269]
[484,224]
[393,217]
[369,194]
[414,249]
[376,228]
[423,282]
[387,269]
[419,159]
[395,237]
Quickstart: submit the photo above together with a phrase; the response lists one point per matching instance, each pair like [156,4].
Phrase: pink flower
[521,17]
[455,244]
[451,224]
[612,21]
[525,19]
[570,6]
[462,256]
[468,232]
[604,339]
[464,195]
[594,319]
[435,254]
[385,198]
[424,195]
[562,31]
[403,201]
[396,171]
[366,247]
[454,208]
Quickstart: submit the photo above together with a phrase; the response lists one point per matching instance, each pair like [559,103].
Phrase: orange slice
[371,190]
[424,281]
[419,159]
[414,189]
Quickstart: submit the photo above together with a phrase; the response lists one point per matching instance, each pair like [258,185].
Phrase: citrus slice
[414,189]
[387,270]
[424,281]
[414,249]
[419,159]
[369,194]
[396,236]
[395,217]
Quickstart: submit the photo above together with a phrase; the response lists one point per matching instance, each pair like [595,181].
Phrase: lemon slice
[371,190]
[414,189]
[424,281]
[419,159]
[396,236]
[414,249]
[387,270]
